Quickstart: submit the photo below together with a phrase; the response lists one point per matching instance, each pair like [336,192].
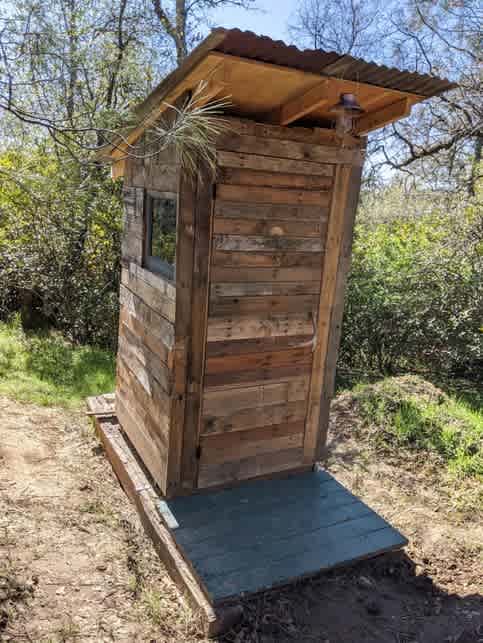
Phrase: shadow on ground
[384,600]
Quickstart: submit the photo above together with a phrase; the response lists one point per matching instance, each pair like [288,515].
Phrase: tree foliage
[415,296]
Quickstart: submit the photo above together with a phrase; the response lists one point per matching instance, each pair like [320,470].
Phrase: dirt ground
[75,565]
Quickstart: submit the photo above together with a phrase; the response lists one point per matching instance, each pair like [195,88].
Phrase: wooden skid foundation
[221,545]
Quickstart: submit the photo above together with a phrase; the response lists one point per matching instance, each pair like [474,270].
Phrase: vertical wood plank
[335,328]
[199,316]
[182,346]
[338,228]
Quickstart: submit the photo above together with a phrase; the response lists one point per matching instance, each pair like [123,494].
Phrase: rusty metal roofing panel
[246,44]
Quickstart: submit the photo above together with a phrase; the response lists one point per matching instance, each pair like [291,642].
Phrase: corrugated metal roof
[246,44]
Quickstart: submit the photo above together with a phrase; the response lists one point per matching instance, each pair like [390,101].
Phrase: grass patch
[47,370]
[410,413]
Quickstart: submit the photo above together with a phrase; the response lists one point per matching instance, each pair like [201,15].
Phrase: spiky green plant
[191,129]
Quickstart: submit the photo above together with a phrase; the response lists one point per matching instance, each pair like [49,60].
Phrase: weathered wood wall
[228,373]
[275,200]
[145,360]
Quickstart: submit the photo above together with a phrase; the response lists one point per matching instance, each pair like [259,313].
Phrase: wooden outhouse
[233,281]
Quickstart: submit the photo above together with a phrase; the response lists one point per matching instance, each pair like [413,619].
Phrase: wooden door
[268,238]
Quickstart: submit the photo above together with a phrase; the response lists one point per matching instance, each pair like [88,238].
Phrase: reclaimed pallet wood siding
[269,233]
[145,360]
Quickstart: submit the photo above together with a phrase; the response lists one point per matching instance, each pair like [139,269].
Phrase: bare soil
[76,566]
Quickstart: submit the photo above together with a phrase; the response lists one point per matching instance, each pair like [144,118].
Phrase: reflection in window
[161,233]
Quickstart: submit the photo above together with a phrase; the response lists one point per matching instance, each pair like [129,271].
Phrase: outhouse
[233,280]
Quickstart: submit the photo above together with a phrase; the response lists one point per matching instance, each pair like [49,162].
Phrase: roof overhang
[271,82]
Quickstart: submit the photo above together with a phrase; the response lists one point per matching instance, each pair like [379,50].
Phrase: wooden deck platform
[265,533]
[220,545]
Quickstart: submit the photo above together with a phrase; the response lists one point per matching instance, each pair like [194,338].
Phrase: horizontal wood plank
[261,243]
[147,316]
[255,194]
[149,294]
[237,445]
[220,329]
[253,289]
[226,401]
[157,405]
[256,275]
[145,364]
[277,177]
[165,287]
[211,475]
[265,211]
[227,306]
[262,416]
[154,459]
[271,227]
[257,376]
[249,144]
[265,360]
[147,334]
[267,259]
[257,344]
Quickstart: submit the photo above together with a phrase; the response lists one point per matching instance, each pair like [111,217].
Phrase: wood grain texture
[267,259]
[183,328]
[227,401]
[243,306]
[257,344]
[147,335]
[145,364]
[136,307]
[250,274]
[336,227]
[141,493]
[230,446]
[258,375]
[259,163]
[270,227]
[152,295]
[258,194]
[287,149]
[263,416]
[253,289]
[267,211]
[218,474]
[259,360]
[220,329]
[134,426]
[260,243]
[315,135]
[335,330]
[277,177]
[199,314]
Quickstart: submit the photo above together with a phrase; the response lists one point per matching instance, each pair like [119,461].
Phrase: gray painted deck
[266,533]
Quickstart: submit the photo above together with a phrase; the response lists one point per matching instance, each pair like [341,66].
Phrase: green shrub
[415,292]
[408,412]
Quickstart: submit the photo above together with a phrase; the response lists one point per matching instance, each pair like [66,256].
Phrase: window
[160,241]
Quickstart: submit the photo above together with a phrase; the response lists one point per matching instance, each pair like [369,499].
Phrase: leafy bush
[60,246]
[48,370]
[408,412]
[415,290]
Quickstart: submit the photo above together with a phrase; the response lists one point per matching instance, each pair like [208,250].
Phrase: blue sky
[270,19]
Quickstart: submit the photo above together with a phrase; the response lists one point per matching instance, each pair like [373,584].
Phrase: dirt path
[75,565]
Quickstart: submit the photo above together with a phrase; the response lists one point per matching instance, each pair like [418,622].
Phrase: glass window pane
[163,229]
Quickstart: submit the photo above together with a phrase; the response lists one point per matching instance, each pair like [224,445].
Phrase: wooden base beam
[140,491]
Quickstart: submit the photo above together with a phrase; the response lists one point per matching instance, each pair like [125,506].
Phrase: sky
[270,19]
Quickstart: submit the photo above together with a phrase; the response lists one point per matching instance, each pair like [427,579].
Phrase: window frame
[153,263]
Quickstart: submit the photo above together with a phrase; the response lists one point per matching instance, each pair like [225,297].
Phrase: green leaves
[415,291]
